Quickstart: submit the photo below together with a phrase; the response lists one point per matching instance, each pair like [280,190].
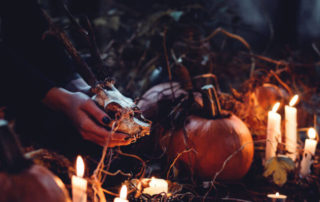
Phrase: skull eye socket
[131,115]
[113,109]
[114,115]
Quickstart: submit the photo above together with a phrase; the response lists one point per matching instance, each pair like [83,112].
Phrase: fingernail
[106,120]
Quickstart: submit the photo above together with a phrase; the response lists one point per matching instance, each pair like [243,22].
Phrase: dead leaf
[279,167]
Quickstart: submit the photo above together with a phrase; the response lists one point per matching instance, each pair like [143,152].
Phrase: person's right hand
[85,115]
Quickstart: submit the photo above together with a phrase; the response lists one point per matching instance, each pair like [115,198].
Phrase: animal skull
[126,116]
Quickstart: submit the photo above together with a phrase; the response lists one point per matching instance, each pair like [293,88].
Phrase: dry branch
[237,37]
[89,36]
[83,68]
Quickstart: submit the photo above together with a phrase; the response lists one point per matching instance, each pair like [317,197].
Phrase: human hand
[86,116]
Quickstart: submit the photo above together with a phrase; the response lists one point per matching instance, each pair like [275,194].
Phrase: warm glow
[276,107]
[312,133]
[80,166]
[155,182]
[277,194]
[123,192]
[293,100]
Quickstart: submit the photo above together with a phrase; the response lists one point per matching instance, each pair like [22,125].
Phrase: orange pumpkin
[20,179]
[213,140]
[35,184]
[268,94]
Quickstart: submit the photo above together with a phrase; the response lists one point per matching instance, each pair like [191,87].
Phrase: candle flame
[312,133]
[276,107]
[80,166]
[123,192]
[293,100]
[277,194]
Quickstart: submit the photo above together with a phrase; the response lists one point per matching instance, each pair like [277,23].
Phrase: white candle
[273,132]
[291,128]
[310,146]
[79,184]
[123,195]
[156,186]
[277,197]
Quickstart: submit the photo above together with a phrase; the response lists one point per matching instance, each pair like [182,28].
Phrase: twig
[142,171]
[166,54]
[107,167]
[90,38]
[97,174]
[83,68]
[175,160]
[165,50]
[117,172]
[234,36]
[270,60]
[207,193]
[224,165]
[281,82]
[109,192]
[237,37]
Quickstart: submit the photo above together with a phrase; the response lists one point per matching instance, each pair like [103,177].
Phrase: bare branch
[83,68]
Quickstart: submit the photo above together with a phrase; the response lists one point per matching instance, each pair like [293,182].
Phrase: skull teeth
[136,136]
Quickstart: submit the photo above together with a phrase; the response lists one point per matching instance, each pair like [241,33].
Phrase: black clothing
[29,68]
[29,65]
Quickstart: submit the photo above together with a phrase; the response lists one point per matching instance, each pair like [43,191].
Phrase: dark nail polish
[106,120]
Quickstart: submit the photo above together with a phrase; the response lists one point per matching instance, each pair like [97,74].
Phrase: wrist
[78,85]
[57,98]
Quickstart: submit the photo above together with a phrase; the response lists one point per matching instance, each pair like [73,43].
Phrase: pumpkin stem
[211,101]
[12,159]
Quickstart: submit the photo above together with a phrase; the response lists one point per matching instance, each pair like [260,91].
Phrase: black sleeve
[23,26]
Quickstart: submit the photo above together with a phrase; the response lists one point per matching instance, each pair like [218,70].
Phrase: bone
[129,118]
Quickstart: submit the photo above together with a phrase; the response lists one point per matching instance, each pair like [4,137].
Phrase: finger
[103,141]
[106,133]
[94,138]
[92,127]
[115,143]
[119,136]
[93,110]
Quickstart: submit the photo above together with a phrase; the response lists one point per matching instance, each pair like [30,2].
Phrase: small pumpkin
[268,94]
[213,142]
[159,100]
[212,138]
[35,184]
[20,179]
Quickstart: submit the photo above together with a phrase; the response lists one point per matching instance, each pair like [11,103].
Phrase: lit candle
[156,186]
[79,184]
[310,146]
[291,128]
[273,131]
[123,195]
[277,197]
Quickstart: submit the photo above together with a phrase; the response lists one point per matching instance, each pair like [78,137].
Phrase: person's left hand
[86,116]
